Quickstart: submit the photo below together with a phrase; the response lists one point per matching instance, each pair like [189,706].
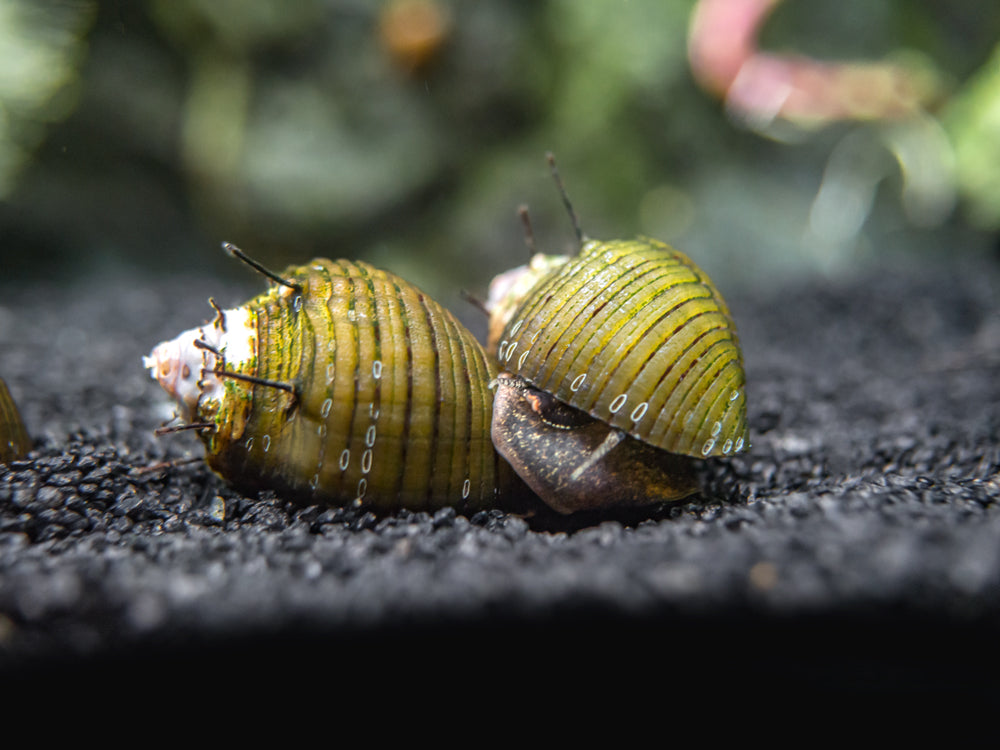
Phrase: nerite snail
[341,383]
[621,364]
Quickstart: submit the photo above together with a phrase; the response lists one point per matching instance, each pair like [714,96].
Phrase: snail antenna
[529,233]
[475,301]
[565,198]
[166,429]
[256,381]
[240,255]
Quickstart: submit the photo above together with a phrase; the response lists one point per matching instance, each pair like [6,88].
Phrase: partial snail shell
[343,383]
[635,335]
[14,440]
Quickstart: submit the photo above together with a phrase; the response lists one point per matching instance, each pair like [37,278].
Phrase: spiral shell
[14,440]
[344,383]
[634,335]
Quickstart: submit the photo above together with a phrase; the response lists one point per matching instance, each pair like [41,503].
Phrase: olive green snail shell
[388,403]
[14,440]
[635,335]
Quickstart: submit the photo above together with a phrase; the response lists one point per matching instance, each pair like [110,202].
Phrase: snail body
[633,335]
[342,383]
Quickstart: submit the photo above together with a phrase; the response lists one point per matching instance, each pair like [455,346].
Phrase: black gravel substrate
[856,545]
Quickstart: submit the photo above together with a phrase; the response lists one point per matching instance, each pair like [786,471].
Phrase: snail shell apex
[634,334]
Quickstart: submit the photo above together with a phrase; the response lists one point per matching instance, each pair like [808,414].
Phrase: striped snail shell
[14,440]
[341,383]
[638,342]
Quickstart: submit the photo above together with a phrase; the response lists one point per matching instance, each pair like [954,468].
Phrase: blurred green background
[140,135]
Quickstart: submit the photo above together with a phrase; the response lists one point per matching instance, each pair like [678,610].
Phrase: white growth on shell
[186,372]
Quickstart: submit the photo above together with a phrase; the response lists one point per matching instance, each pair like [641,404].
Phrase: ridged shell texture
[393,405]
[635,334]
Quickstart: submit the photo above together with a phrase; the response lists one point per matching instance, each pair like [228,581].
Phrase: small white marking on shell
[689,416]
[520,360]
[366,461]
[372,411]
[739,445]
[577,382]
[370,436]
[716,429]
[510,352]
[535,335]
[362,488]
[330,370]
[707,447]
[500,349]
[618,403]
[314,482]
[516,328]
[735,395]
[466,487]
[267,442]
[249,444]
[377,369]
[345,459]
[297,303]
[325,409]
[639,412]
[727,446]
[321,430]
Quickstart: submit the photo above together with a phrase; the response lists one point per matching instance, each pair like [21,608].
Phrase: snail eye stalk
[256,381]
[580,237]
[167,429]
[475,302]
[240,255]
[529,232]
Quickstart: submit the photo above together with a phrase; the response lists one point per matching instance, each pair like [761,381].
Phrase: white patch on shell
[618,403]
[577,382]
[187,373]
[639,412]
